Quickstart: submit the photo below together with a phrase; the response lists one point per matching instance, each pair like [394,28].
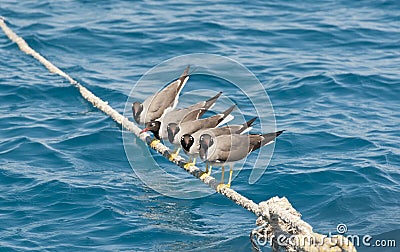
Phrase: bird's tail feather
[270,137]
[193,115]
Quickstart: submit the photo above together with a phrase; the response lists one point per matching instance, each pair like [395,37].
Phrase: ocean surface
[330,69]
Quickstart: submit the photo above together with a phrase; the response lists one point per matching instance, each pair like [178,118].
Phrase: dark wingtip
[268,137]
[219,94]
[229,110]
[183,77]
[246,125]
[186,72]
[251,121]
[212,100]
[215,97]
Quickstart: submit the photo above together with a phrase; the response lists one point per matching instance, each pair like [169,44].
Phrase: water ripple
[330,69]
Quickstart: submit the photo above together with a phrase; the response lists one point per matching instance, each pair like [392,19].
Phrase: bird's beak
[144,130]
[203,153]
[172,131]
[186,141]
[171,137]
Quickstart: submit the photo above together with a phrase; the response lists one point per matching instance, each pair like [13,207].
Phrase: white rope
[276,216]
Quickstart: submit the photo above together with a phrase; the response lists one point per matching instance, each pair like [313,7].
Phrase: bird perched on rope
[190,142]
[176,131]
[159,126]
[163,101]
[227,149]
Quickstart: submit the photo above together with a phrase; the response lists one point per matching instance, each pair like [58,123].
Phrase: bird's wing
[229,148]
[166,99]
[211,122]
[190,127]
[255,142]
[219,131]
[231,129]
[175,116]
[192,115]
[259,140]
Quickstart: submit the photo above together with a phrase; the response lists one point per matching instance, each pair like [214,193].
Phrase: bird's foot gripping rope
[190,164]
[204,175]
[154,143]
[221,186]
[174,155]
[207,173]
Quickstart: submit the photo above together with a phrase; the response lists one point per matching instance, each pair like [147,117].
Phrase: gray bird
[159,127]
[176,131]
[191,142]
[227,149]
[155,106]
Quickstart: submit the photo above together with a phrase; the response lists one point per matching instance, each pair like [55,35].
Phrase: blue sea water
[330,68]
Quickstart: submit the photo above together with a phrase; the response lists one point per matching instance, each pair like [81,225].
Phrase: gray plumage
[190,143]
[160,103]
[159,127]
[176,131]
[230,148]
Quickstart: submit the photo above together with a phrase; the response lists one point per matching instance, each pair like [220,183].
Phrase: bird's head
[172,130]
[206,141]
[137,109]
[154,127]
[187,142]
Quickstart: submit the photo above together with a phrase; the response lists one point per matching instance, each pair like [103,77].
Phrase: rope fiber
[278,221]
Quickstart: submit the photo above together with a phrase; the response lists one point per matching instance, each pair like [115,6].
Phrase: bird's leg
[222,185]
[208,170]
[174,154]
[154,143]
[230,176]
[222,175]
[190,163]
[206,173]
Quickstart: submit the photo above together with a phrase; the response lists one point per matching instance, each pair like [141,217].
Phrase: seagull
[176,131]
[157,105]
[190,142]
[159,127]
[227,149]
